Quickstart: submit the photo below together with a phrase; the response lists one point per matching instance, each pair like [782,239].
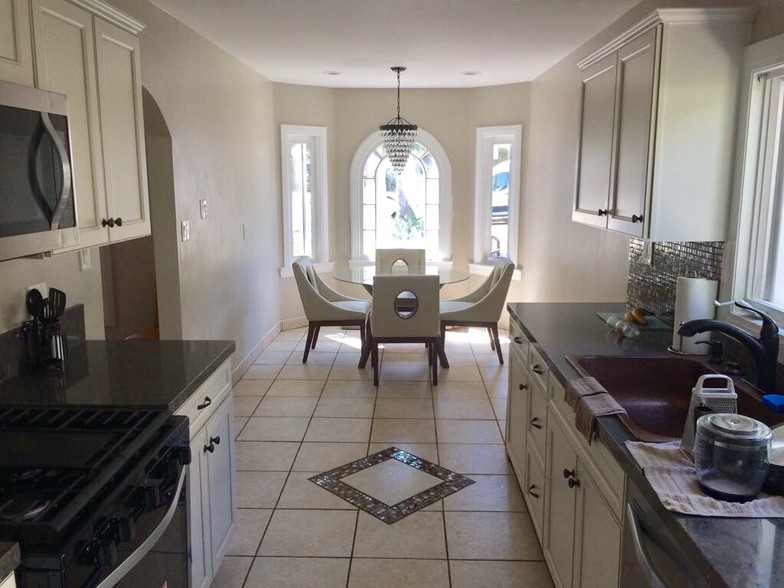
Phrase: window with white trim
[497,192]
[407,210]
[304,185]
[761,227]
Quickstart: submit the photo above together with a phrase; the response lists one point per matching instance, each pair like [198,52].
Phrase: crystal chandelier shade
[398,134]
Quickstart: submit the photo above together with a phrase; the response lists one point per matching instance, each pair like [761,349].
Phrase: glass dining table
[364,275]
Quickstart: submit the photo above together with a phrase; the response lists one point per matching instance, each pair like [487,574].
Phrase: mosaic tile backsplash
[653,286]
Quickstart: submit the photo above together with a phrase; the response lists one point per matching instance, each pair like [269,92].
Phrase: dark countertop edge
[206,372]
[614,435]
[10,558]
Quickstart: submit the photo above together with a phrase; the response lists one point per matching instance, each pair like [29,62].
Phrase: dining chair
[412,318]
[480,308]
[386,258]
[325,307]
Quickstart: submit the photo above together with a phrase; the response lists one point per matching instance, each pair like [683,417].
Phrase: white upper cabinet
[657,119]
[89,51]
[16,51]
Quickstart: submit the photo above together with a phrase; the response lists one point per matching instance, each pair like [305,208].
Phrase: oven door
[157,557]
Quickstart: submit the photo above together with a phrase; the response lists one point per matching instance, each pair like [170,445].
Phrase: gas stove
[82,489]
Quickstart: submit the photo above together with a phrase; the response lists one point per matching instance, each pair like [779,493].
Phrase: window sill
[482,269]
[326,267]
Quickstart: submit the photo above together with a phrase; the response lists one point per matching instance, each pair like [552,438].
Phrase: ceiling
[302,41]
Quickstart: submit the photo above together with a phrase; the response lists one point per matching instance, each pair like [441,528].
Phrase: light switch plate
[41,287]
[647,252]
[185,230]
[203,208]
[85,260]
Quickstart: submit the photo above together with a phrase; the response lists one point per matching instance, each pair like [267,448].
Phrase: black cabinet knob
[636,219]
[210,448]
[536,423]
[522,387]
[126,529]
[518,340]
[205,404]
[107,554]
[573,482]
[568,473]
[602,211]
[107,222]
[533,491]
[215,440]
[118,221]
[537,369]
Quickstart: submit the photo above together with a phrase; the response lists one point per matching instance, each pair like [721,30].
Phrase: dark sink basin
[655,391]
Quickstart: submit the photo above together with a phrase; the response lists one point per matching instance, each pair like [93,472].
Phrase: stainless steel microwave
[37,209]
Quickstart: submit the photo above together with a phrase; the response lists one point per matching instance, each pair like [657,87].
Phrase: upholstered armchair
[385,258]
[325,307]
[405,310]
[480,308]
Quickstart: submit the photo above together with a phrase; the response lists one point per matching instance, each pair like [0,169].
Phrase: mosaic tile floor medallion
[426,475]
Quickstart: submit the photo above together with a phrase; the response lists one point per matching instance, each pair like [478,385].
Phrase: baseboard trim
[284,325]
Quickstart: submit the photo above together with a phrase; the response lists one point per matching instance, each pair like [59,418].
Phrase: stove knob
[151,497]
[125,529]
[184,454]
[107,554]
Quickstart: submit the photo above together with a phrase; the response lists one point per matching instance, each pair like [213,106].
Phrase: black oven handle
[65,191]
[126,566]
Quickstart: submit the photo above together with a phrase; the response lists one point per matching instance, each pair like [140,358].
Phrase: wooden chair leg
[492,339]
[315,337]
[311,329]
[363,347]
[498,345]
[442,348]
[434,353]
[374,361]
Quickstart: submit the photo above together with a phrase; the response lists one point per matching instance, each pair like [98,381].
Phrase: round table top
[364,274]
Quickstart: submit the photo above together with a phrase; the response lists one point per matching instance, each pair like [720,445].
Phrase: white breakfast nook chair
[325,307]
[480,308]
[386,258]
[405,310]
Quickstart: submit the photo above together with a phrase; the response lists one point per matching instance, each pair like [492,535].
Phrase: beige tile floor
[294,421]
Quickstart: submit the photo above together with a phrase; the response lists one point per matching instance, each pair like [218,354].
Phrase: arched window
[411,210]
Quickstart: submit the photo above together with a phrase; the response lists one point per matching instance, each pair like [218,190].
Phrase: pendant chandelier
[398,134]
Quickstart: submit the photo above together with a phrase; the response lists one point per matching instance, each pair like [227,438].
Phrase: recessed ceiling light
[331,73]
[471,73]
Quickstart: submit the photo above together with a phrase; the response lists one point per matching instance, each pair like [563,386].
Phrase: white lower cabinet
[212,497]
[517,416]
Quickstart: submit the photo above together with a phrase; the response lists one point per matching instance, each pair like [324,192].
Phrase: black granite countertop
[127,373]
[10,558]
[726,551]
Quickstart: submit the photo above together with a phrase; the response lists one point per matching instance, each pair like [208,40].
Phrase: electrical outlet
[203,208]
[41,287]
[185,230]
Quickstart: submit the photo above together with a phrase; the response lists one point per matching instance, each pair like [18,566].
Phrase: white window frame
[317,136]
[485,138]
[444,194]
[752,183]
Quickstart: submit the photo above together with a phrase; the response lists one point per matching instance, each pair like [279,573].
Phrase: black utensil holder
[44,347]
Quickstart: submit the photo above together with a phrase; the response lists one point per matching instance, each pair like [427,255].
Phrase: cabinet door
[594,152]
[198,521]
[64,63]
[637,64]
[223,501]
[517,416]
[16,50]
[122,131]
[560,504]
[595,568]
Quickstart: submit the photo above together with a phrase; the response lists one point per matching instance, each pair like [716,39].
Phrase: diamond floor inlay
[391,484]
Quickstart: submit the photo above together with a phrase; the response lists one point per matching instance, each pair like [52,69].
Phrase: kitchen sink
[656,390]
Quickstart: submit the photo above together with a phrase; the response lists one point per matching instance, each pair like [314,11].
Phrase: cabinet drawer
[537,367]
[205,401]
[537,419]
[518,342]
[535,491]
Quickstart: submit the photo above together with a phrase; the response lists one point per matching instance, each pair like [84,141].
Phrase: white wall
[220,116]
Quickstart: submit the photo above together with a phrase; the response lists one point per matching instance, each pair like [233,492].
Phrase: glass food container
[731,456]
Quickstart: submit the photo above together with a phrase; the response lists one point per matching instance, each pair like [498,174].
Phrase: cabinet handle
[532,491]
[518,340]
[573,482]
[118,221]
[205,404]
[537,369]
[107,222]
[215,440]
[637,219]
[602,211]
[210,447]
[535,423]
[522,387]
[568,473]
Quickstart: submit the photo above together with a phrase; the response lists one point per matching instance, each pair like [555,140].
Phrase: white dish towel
[673,478]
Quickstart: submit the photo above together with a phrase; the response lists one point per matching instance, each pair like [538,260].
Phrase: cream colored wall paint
[220,115]
[62,272]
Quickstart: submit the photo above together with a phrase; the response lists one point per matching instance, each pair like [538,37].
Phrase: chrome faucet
[765,350]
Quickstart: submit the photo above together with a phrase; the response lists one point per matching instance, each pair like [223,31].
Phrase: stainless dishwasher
[650,555]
